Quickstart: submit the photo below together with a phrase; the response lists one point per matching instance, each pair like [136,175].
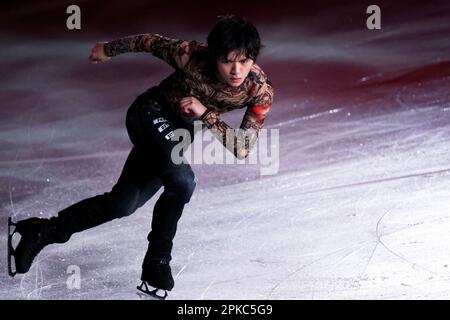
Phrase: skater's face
[234,68]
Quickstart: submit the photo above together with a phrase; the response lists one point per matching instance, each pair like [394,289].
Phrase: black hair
[233,33]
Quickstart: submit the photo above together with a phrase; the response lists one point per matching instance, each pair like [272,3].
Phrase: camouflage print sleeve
[242,140]
[174,52]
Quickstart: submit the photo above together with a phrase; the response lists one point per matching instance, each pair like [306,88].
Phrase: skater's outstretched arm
[98,53]
[241,141]
[174,52]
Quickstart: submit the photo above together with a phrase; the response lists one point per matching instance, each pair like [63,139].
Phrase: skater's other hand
[191,107]
[98,53]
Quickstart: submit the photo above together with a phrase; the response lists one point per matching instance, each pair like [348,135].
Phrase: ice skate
[158,275]
[35,235]
[148,291]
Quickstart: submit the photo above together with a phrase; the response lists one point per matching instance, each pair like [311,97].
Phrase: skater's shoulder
[257,74]
[193,53]
[198,46]
[197,50]
[260,83]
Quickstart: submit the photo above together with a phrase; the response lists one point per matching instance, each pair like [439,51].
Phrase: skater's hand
[98,53]
[191,107]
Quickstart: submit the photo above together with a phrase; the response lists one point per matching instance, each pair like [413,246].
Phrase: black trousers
[147,168]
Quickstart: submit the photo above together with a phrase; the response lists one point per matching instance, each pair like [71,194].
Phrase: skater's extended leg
[135,186]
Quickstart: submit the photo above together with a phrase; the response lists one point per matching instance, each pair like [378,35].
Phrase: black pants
[147,168]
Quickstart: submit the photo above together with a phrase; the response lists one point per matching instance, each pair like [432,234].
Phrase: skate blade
[11,251]
[150,293]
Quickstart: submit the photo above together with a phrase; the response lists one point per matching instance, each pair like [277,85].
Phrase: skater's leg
[179,184]
[151,130]
[132,190]
[137,184]
[138,181]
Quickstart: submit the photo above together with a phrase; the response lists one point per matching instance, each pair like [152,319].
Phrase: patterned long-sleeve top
[194,76]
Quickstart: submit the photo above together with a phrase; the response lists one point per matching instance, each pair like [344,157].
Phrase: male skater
[208,80]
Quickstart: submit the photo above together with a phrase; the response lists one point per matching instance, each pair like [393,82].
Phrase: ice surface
[359,209]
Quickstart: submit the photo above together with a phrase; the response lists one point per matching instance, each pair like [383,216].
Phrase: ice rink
[359,208]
